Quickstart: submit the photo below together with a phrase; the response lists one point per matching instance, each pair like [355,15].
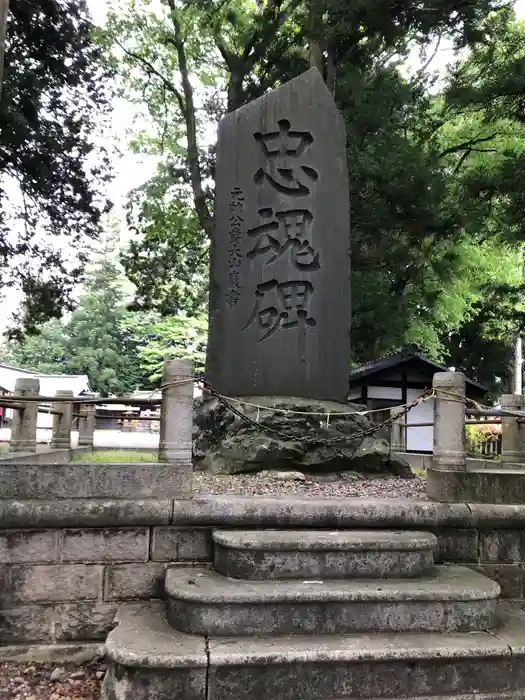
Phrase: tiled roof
[375,366]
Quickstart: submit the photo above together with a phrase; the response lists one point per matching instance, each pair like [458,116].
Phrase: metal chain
[240,414]
[312,440]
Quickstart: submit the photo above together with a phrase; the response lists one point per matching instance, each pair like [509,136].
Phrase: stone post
[450,449]
[398,431]
[86,425]
[512,432]
[24,422]
[176,420]
[62,423]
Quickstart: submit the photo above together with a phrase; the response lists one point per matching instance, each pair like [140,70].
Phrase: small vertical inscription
[236,222]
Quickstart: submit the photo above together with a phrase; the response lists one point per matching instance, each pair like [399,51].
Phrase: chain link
[361,435]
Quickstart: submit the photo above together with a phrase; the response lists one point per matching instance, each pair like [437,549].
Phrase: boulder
[288,434]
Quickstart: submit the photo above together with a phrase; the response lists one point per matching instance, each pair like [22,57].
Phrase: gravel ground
[51,682]
[346,485]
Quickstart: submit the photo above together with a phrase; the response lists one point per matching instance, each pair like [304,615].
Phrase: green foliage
[91,342]
[436,192]
[55,90]
[493,76]
[424,253]
[45,352]
[436,177]
[400,227]
[119,350]
[169,238]
[95,335]
[484,102]
[174,338]
[481,437]
[115,456]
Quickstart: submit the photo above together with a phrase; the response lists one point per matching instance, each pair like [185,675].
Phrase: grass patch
[116,456]
[419,471]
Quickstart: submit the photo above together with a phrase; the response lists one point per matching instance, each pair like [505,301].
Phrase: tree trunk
[321,54]
[315,31]
[235,91]
[199,198]
[330,71]
[4,10]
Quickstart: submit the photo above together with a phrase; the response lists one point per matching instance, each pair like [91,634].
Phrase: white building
[398,380]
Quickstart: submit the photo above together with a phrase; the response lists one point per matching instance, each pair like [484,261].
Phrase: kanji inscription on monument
[280,264]
[235,222]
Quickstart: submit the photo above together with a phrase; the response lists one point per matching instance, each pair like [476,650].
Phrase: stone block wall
[66,565]
[499,554]
[65,584]
[43,455]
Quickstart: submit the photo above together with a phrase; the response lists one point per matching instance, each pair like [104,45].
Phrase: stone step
[205,602]
[148,659]
[300,554]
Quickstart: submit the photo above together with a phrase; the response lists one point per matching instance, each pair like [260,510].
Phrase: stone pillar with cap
[62,421]
[24,421]
[86,425]
[176,420]
[512,432]
[398,430]
[449,422]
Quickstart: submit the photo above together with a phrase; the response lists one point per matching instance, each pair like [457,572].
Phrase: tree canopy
[435,171]
[56,92]
[435,166]
[120,351]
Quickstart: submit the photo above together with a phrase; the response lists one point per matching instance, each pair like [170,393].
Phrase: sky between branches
[132,170]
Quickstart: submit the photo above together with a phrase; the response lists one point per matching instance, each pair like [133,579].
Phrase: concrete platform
[126,480]
[495,486]
[148,660]
[207,603]
[296,554]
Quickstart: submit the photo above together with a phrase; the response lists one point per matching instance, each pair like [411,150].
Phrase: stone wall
[423,460]
[66,565]
[43,455]
[94,480]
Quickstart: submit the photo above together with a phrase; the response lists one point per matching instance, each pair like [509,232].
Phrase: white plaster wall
[385,392]
[420,439]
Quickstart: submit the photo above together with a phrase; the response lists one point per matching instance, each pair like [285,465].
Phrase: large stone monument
[280,271]
[280,291]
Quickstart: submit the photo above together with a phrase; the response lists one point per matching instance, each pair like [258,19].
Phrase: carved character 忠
[280,147]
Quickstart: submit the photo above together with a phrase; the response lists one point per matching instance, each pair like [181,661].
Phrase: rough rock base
[290,434]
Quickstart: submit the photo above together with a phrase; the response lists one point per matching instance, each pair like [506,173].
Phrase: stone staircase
[319,615]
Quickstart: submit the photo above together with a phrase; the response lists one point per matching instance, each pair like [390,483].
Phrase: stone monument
[280,264]
[279,333]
